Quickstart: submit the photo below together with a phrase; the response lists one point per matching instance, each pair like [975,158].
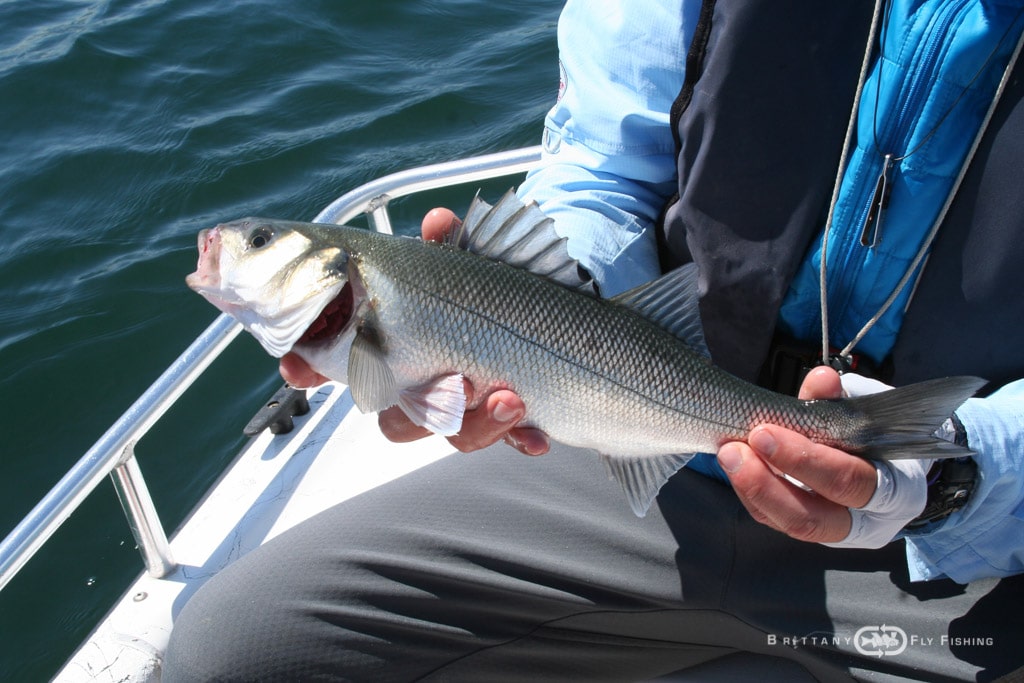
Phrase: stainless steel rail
[114,452]
[374,196]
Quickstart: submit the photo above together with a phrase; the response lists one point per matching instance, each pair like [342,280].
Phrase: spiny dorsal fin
[641,477]
[521,235]
[671,303]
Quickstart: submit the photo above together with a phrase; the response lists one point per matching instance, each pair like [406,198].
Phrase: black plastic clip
[277,414]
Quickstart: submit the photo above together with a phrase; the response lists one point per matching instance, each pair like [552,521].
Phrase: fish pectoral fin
[370,379]
[437,405]
[641,477]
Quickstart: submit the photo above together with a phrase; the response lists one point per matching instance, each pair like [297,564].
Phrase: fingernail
[503,412]
[763,442]
[537,445]
[730,458]
[533,445]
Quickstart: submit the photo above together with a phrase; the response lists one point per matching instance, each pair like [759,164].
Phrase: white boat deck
[333,453]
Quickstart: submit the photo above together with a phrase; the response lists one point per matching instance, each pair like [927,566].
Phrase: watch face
[949,489]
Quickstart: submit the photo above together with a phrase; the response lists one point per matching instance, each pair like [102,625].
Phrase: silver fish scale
[590,372]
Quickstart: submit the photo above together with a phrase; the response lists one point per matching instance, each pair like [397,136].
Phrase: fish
[404,321]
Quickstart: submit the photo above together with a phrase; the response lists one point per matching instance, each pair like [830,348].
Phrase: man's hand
[853,503]
[839,481]
[493,420]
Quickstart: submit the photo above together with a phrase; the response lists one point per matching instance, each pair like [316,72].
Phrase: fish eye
[260,237]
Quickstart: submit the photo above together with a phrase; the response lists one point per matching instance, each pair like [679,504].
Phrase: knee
[262,619]
[216,633]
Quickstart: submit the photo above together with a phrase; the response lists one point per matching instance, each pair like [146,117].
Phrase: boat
[309,450]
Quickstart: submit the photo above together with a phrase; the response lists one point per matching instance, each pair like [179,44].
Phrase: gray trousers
[494,566]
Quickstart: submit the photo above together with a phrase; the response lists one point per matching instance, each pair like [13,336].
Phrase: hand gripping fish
[401,321]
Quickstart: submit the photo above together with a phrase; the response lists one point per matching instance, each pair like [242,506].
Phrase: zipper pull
[871,234]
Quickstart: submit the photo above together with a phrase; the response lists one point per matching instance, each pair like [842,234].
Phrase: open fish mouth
[207,275]
[332,320]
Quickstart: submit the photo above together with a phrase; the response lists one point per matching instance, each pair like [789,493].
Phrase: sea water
[125,128]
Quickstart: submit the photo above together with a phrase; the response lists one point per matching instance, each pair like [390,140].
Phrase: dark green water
[125,127]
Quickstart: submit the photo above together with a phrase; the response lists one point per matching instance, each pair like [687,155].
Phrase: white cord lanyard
[922,253]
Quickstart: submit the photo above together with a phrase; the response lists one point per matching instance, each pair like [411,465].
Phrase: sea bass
[401,321]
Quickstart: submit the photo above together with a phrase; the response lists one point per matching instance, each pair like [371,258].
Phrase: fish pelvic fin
[437,405]
[901,423]
[641,477]
[520,235]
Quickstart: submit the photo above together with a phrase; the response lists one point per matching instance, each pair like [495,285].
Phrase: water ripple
[128,126]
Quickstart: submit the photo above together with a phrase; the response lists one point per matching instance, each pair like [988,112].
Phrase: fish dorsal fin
[641,477]
[671,303]
[521,235]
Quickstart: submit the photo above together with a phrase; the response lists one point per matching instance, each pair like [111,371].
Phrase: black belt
[790,360]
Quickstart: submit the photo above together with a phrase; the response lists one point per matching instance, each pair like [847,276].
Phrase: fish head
[278,278]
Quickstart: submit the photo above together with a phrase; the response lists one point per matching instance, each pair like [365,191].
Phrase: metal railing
[114,452]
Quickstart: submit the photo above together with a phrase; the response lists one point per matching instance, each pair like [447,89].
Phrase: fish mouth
[332,320]
[207,275]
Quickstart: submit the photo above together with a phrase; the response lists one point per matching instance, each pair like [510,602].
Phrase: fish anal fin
[641,477]
[437,405]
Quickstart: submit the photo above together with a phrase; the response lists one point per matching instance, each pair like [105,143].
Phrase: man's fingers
[495,420]
[838,481]
[396,426]
[438,223]
[821,382]
[528,440]
[297,372]
[780,504]
[840,477]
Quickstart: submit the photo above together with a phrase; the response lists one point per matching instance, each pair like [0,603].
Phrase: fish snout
[207,273]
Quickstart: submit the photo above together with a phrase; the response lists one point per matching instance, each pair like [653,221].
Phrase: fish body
[402,321]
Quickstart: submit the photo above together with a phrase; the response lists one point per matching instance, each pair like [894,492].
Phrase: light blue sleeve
[986,537]
[609,155]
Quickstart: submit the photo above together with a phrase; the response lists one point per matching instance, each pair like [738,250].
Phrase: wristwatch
[950,481]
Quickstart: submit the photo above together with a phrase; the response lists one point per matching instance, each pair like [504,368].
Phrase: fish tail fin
[901,423]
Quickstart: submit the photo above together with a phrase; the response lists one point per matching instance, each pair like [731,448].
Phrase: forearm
[985,537]
[608,222]
[609,154]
